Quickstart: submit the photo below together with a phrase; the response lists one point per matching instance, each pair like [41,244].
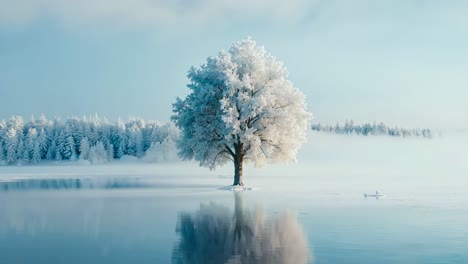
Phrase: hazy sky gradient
[400,61]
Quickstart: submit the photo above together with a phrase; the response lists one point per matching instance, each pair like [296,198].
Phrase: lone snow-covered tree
[241,107]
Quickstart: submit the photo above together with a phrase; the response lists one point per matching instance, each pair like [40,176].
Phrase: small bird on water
[376,195]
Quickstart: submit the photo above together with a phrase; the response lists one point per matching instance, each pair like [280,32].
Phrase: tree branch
[264,152]
[230,151]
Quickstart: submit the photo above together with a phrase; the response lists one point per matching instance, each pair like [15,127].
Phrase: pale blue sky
[400,61]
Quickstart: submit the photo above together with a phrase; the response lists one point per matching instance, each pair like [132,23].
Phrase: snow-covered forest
[92,139]
[372,129]
[96,140]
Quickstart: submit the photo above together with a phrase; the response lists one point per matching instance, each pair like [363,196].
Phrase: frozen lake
[312,211]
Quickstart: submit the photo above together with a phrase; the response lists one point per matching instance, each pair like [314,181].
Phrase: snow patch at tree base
[237,188]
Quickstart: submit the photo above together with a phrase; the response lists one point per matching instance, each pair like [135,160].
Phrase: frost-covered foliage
[372,129]
[92,139]
[161,151]
[241,106]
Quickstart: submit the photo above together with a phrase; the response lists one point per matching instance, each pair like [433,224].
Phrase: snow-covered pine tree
[3,128]
[135,141]
[51,151]
[84,149]
[86,129]
[101,152]
[139,143]
[105,133]
[167,149]
[43,122]
[120,151]
[22,153]
[11,146]
[66,143]
[131,145]
[110,152]
[2,154]
[316,127]
[347,129]
[120,141]
[153,154]
[241,106]
[93,136]
[76,130]
[68,149]
[31,138]
[166,131]
[17,123]
[156,135]
[93,155]
[36,154]
[58,155]
[427,133]
[42,140]
[337,128]
[71,143]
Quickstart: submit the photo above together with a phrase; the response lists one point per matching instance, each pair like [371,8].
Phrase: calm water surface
[139,220]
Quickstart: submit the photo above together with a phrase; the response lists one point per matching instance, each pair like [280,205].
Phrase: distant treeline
[372,129]
[94,139]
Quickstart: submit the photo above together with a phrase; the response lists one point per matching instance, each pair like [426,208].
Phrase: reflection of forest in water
[214,234]
[71,183]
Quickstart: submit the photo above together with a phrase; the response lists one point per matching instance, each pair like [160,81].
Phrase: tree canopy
[241,106]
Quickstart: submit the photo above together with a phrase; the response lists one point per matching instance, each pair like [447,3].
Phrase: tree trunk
[238,160]
[238,173]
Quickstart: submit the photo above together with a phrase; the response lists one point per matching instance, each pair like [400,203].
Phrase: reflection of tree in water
[213,235]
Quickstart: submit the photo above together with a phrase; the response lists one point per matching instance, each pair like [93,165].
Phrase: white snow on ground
[237,188]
